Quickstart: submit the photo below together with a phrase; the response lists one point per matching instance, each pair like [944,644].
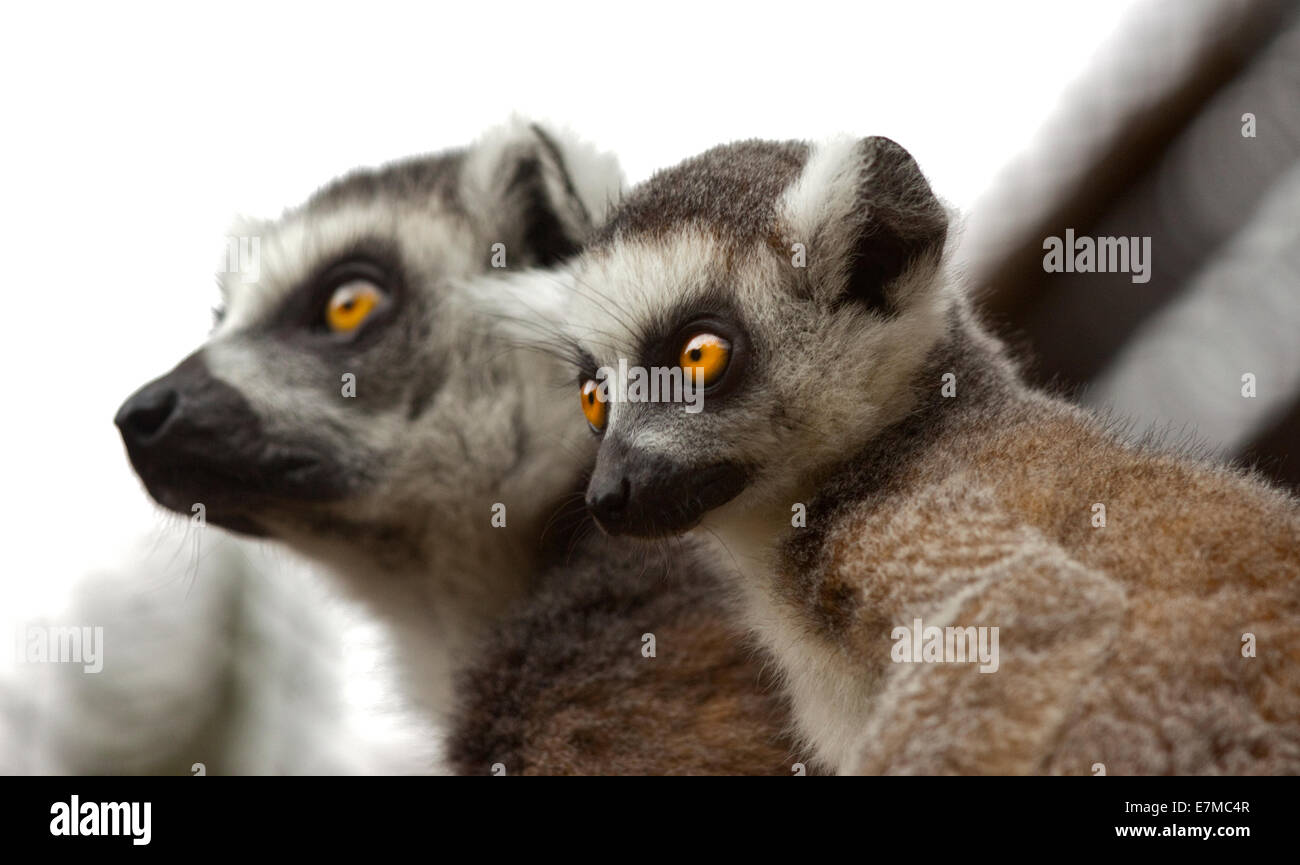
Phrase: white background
[133,134]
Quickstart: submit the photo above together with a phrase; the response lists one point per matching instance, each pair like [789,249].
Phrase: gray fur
[447,419]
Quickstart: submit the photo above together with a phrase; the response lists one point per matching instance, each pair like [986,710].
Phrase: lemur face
[796,286]
[344,378]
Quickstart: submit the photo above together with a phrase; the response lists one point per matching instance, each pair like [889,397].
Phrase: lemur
[866,455]
[354,403]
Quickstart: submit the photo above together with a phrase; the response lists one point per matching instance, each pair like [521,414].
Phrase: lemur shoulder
[623,661]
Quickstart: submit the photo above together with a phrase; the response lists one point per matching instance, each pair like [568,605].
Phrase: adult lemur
[352,403]
[885,488]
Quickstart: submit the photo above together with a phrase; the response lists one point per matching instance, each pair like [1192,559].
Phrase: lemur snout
[144,414]
[608,502]
[630,494]
[186,410]
[193,438]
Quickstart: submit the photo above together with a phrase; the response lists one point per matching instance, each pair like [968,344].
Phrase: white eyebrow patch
[825,191]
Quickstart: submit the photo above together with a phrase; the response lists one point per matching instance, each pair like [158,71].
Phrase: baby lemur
[355,403]
[955,573]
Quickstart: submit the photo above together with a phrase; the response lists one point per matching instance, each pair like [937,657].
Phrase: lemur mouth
[232,495]
[715,486]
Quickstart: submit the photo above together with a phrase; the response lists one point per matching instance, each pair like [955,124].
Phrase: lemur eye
[350,305]
[707,352]
[594,406]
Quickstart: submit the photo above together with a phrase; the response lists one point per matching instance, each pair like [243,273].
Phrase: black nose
[607,499]
[651,496]
[188,414]
[146,413]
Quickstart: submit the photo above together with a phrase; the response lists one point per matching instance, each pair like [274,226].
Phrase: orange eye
[707,352]
[350,305]
[594,406]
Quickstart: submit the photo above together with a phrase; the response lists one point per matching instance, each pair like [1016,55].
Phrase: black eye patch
[710,310]
[585,362]
[301,317]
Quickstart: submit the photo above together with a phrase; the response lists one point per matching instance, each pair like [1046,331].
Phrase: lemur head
[348,399]
[799,285]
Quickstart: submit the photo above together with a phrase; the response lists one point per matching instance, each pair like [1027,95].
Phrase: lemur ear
[869,217]
[542,192]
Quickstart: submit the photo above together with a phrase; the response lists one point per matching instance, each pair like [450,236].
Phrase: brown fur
[562,687]
[1119,645]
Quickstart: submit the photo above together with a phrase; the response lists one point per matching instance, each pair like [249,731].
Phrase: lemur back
[1159,638]
[623,661]
[867,462]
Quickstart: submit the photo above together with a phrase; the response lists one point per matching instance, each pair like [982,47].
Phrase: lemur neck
[966,380]
[442,609]
[438,613]
[776,551]
[455,562]
[965,377]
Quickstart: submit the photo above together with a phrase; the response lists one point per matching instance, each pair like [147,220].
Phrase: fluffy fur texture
[393,489]
[564,685]
[396,490]
[1120,644]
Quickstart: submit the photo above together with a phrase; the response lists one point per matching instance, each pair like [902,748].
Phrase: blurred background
[135,134]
